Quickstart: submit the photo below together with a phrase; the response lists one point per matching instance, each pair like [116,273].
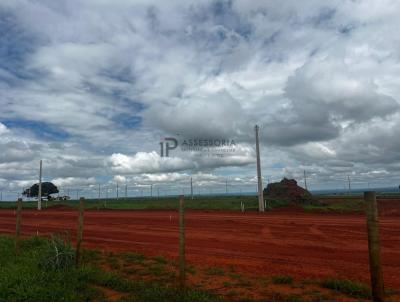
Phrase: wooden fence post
[18,225]
[182,271]
[80,231]
[378,292]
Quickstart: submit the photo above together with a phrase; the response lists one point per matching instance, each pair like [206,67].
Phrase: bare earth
[286,241]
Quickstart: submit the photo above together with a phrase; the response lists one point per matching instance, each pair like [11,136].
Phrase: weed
[282,279]
[113,262]
[191,269]
[236,276]
[91,256]
[242,282]
[214,271]
[351,288]
[58,254]
[156,269]
[133,257]
[160,260]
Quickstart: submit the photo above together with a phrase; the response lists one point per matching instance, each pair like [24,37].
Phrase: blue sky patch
[40,129]
[127,120]
[16,44]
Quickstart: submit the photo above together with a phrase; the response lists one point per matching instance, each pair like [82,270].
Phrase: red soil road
[287,241]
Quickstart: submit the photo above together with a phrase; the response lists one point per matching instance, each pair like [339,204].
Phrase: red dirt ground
[285,241]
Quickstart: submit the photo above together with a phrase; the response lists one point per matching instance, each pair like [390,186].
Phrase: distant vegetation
[342,203]
[201,203]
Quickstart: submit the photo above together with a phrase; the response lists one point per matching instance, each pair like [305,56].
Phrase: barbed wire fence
[229,186]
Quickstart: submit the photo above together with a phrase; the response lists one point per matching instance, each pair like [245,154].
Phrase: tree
[48,188]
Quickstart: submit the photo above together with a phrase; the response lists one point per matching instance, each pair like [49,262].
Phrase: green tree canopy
[48,188]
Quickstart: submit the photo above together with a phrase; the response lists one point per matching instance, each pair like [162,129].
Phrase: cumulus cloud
[3,129]
[325,96]
[143,162]
[152,162]
[73,181]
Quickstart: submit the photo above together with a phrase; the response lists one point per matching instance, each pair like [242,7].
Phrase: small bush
[351,288]
[58,254]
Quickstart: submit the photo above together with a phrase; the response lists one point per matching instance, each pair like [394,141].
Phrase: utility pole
[39,206]
[80,231]
[182,246]
[259,178]
[158,193]
[305,180]
[191,187]
[374,253]
[151,190]
[99,191]
[126,190]
[117,190]
[348,178]
[226,186]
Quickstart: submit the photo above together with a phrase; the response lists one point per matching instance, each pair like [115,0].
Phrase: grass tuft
[351,288]
[282,279]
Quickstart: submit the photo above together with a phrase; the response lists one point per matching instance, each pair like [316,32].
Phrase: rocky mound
[287,189]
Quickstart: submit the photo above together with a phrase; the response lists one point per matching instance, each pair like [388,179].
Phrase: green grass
[35,275]
[25,278]
[25,204]
[200,203]
[348,287]
[354,205]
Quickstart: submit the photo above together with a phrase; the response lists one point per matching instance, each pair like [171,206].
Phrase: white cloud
[143,162]
[73,181]
[3,129]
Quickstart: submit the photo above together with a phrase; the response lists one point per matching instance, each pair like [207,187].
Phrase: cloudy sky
[93,86]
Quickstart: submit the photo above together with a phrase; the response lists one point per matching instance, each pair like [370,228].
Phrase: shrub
[58,254]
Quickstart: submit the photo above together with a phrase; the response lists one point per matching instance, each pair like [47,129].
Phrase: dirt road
[287,241]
